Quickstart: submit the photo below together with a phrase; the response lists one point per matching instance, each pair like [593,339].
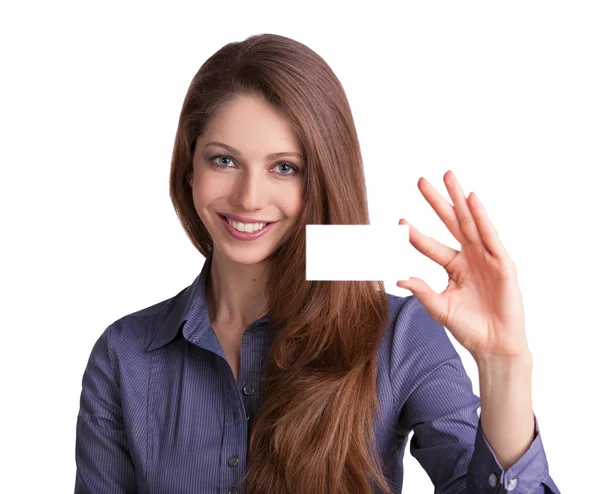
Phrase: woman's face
[246,182]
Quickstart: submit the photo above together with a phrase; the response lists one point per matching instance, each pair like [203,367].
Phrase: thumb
[431,300]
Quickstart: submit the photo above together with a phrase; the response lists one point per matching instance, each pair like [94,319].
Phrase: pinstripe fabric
[160,411]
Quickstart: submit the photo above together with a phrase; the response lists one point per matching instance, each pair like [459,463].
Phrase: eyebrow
[272,156]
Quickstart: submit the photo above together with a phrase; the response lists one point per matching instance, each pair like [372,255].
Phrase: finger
[463,213]
[443,208]
[489,234]
[436,251]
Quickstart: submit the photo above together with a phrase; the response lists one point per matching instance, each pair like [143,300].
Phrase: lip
[244,220]
[244,235]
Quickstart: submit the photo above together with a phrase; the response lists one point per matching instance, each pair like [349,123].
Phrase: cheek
[291,201]
[211,185]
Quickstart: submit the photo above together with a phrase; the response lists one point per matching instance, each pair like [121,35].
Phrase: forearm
[507,418]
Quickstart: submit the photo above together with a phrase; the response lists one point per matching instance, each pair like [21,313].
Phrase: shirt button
[232,490]
[493,479]
[233,461]
[512,485]
[248,390]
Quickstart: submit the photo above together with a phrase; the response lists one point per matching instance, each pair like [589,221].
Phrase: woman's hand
[482,306]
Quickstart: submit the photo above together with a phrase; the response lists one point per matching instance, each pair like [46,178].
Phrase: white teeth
[246,227]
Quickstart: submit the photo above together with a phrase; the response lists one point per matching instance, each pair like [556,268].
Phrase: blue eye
[280,163]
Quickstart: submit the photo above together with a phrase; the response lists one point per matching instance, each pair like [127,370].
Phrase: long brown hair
[314,429]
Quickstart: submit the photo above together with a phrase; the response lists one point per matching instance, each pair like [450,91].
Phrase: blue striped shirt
[160,410]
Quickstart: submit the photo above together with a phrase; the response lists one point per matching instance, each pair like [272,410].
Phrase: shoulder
[131,333]
[414,344]
[410,326]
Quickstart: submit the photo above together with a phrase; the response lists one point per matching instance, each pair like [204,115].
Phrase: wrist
[522,361]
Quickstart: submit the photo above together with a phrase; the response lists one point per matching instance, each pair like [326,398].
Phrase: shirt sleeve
[448,439]
[102,456]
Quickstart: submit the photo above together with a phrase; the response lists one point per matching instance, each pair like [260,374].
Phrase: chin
[241,255]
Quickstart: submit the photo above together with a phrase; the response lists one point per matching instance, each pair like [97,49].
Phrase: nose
[251,190]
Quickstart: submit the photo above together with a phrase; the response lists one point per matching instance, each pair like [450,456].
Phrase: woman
[253,379]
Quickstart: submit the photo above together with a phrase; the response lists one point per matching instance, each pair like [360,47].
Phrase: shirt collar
[190,308]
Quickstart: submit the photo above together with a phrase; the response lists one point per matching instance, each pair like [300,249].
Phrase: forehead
[249,121]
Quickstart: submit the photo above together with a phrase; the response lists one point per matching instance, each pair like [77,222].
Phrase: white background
[506,95]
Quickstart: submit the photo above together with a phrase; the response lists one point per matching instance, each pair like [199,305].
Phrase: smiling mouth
[265,222]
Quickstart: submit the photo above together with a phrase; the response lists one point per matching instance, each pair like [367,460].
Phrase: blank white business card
[357,252]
